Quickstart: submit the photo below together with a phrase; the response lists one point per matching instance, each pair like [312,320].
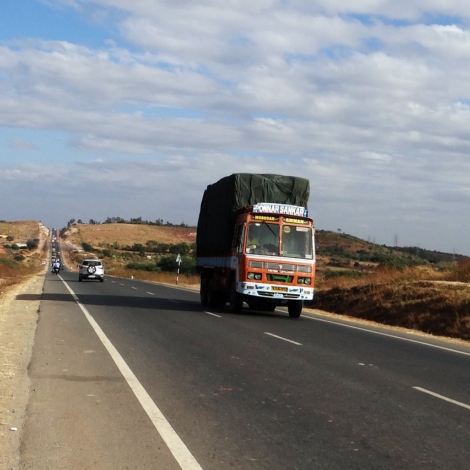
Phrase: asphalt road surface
[129,374]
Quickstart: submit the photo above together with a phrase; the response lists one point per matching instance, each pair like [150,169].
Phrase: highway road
[129,374]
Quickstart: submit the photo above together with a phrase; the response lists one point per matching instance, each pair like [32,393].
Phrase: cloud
[20,144]
[368,100]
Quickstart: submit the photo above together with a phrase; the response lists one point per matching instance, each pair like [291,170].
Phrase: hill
[22,245]
[101,235]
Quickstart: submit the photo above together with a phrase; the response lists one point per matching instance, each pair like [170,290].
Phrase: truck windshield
[263,239]
[297,242]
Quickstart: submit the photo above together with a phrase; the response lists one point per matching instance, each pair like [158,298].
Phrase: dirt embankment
[434,307]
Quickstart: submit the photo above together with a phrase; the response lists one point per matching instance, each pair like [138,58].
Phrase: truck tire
[214,299]
[235,299]
[294,307]
[203,291]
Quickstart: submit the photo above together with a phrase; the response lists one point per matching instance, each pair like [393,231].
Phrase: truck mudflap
[275,291]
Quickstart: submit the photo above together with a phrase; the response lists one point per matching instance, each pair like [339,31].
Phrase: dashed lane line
[442,397]
[283,339]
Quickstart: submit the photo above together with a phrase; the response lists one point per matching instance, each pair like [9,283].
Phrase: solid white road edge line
[283,339]
[177,447]
[463,405]
[386,334]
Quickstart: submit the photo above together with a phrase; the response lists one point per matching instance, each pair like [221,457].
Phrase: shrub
[168,263]
[151,267]
[8,262]
[343,273]
[87,247]
[32,244]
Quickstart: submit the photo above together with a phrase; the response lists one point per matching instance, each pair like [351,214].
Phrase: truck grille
[279,278]
[290,268]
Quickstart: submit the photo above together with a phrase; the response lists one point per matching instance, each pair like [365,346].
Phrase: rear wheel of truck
[214,299]
[294,307]
[203,290]
[235,299]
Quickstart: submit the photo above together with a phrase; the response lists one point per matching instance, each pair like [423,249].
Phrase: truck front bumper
[275,291]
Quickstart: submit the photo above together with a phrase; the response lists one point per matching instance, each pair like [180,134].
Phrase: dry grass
[12,272]
[20,231]
[127,234]
[416,298]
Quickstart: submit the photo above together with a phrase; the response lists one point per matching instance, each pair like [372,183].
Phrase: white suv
[91,269]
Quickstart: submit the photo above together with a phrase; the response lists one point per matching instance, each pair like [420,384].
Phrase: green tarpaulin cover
[223,200]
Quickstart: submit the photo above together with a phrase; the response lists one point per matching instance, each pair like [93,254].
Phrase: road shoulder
[19,308]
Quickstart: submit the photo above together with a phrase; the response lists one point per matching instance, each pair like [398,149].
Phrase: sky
[117,108]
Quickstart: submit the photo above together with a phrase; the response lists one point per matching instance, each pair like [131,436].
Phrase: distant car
[91,269]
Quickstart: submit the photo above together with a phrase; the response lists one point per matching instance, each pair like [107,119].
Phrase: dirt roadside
[19,311]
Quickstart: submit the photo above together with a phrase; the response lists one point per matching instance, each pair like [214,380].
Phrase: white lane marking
[283,339]
[442,397]
[150,293]
[213,314]
[134,288]
[386,334]
[121,284]
[113,281]
[177,447]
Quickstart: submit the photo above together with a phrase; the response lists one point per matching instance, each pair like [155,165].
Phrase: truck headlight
[255,276]
[304,280]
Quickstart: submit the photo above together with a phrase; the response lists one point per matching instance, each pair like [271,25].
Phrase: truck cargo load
[223,200]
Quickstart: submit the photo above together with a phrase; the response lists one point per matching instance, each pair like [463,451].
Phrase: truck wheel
[214,299]
[235,299]
[203,291]
[294,307]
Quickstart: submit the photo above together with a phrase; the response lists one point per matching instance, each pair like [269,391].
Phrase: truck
[255,243]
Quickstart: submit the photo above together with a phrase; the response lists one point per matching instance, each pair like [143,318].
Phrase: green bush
[8,262]
[151,267]
[169,264]
[32,244]
[19,258]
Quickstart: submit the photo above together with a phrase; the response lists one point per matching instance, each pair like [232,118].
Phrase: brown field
[127,234]
[15,272]
[20,231]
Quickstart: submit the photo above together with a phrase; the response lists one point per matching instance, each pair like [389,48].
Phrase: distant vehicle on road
[91,269]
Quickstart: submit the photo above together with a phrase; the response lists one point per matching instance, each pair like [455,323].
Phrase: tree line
[121,220]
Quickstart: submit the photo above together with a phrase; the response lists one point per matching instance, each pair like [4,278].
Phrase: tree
[32,244]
